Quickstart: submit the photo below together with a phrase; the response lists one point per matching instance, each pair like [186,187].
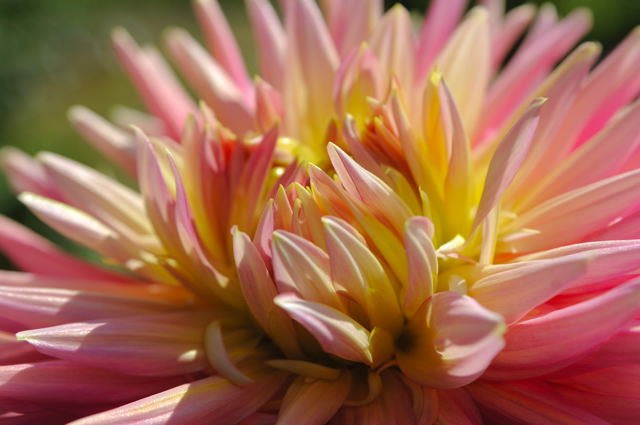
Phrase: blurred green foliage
[57,53]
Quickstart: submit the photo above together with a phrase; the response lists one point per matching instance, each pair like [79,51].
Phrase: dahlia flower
[391,224]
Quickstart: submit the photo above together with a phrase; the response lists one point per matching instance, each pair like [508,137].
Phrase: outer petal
[456,407]
[33,253]
[315,402]
[553,340]
[449,342]
[530,403]
[13,351]
[159,345]
[60,383]
[212,399]
[513,293]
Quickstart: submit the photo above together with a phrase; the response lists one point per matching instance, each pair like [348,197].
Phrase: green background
[56,53]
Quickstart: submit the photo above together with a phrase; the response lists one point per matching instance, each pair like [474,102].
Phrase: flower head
[386,225]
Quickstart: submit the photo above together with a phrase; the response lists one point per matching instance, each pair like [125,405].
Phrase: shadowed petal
[313,402]
[212,399]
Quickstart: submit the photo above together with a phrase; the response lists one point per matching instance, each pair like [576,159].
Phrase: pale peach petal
[357,272]
[468,48]
[301,267]
[336,332]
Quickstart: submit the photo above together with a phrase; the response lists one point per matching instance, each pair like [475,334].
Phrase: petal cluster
[391,224]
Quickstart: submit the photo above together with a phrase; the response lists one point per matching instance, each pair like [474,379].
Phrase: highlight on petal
[450,341]
[159,345]
[336,332]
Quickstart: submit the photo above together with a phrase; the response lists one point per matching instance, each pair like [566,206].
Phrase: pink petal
[162,345]
[270,39]
[617,409]
[450,341]
[58,383]
[351,24]
[513,293]
[336,332]
[42,306]
[507,160]
[456,407]
[77,226]
[468,48]
[211,82]
[34,254]
[573,215]
[394,46]
[212,399]
[13,351]
[112,142]
[439,23]
[222,43]
[599,158]
[553,340]
[530,403]
[313,402]
[25,174]
[531,62]
[155,82]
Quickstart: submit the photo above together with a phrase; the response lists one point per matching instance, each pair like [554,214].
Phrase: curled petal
[336,332]
[450,341]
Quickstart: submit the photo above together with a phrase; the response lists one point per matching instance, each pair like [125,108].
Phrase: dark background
[56,53]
